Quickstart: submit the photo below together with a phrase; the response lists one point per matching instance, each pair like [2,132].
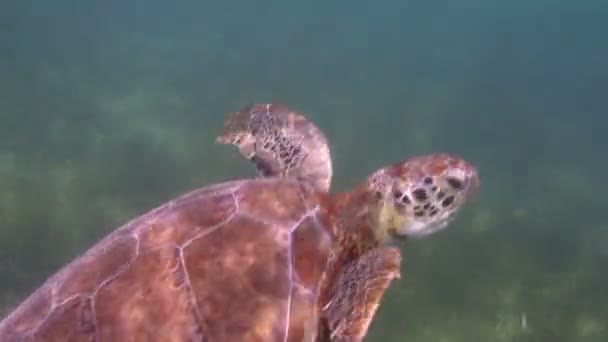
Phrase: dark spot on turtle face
[400,206]
[426,206]
[419,213]
[428,180]
[397,193]
[455,183]
[377,195]
[440,195]
[420,194]
[433,212]
[434,188]
[447,201]
[406,199]
[417,207]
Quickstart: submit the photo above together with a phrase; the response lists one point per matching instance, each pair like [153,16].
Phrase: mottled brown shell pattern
[238,261]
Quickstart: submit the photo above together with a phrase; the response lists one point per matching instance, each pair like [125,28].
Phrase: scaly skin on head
[410,199]
[420,196]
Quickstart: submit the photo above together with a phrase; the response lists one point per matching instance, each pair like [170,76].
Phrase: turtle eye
[455,183]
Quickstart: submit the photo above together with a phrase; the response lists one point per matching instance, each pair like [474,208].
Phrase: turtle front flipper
[357,293]
[281,143]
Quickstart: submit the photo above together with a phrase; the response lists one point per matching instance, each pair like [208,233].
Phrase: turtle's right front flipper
[281,143]
[356,295]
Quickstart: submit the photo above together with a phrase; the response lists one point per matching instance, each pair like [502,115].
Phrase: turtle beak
[417,230]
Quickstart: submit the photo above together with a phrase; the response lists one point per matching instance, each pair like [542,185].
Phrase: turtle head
[419,196]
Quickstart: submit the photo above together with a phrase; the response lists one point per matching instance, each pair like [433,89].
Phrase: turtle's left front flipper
[357,294]
[281,143]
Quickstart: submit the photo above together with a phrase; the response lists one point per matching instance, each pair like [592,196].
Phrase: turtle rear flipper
[357,294]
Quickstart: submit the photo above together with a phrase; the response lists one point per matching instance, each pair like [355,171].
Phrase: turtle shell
[237,261]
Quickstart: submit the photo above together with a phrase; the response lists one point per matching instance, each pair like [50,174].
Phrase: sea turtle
[272,258]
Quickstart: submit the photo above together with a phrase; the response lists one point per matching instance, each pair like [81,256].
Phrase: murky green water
[109,108]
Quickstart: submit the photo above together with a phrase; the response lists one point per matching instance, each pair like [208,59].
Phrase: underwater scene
[111,108]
